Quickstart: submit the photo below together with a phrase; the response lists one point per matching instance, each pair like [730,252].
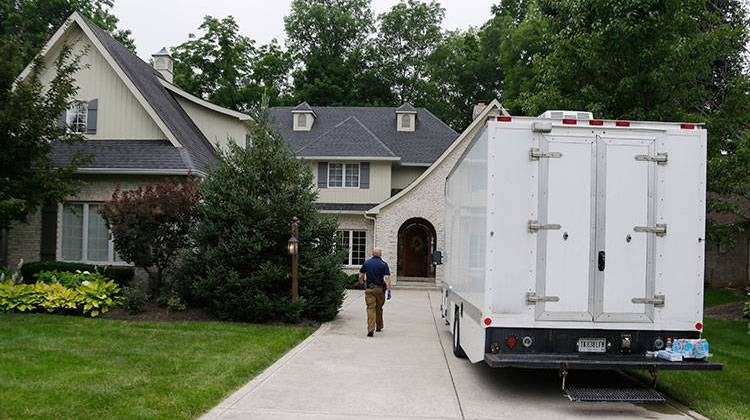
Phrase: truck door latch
[536,154]
[659,229]
[657,300]
[532,298]
[659,158]
[535,226]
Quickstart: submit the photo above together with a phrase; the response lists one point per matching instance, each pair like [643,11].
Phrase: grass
[713,297]
[73,367]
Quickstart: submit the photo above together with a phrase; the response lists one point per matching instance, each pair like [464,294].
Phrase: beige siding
[120,115]
[404,175]
[379,191]
[218,128]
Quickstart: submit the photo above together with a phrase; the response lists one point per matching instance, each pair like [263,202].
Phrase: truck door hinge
[535,226]
[659,158]
[659,229]
[532,298]
[657,300]
[536,154]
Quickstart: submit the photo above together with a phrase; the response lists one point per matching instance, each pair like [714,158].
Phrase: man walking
[377,279]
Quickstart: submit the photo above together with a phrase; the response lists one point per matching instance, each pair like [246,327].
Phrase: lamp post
[293,248]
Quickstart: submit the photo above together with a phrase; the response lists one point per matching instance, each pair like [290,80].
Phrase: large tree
[224,66]
[32,22]
[407,34]
[328,40]
[29,111]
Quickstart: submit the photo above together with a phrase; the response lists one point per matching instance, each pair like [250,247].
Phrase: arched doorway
[416,243]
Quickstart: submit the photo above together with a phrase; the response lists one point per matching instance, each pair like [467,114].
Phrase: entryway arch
[417,241]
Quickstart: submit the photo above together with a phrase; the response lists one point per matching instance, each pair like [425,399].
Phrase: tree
[328,39]
[239,266]
[32,22]
[29,111]
[151,225]
[407,35]
[224,67]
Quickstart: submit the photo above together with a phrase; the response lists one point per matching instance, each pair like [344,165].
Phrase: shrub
[175,304]
[68,279]
[746,310]
[350,281]
[98,297]
[239,266]
[19,297]
[59,298]
[121,275]
[134,297]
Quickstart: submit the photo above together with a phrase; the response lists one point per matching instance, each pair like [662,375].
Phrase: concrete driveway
[405,372]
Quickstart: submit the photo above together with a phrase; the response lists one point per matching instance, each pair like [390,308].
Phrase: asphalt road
[408,372]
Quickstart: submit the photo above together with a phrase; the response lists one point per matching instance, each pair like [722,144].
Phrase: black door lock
[601,260]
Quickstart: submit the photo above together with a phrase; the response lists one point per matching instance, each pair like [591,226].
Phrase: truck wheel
[457,350]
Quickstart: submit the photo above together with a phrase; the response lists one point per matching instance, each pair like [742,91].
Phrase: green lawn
[74,367]
[713,297]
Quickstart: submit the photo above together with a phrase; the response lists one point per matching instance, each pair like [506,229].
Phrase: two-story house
[140,128]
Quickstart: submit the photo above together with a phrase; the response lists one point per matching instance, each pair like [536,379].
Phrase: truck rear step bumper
[600,362]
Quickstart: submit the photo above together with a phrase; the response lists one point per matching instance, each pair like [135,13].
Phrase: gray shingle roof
[348,138]
[424,145]
[406,107]
[123,154]
[200,152]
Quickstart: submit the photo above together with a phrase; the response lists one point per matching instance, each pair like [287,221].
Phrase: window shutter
[91,120]
[322,174]
[248,141]
[364,175]
[48,248]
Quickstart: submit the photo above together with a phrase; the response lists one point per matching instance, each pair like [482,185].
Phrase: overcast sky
[166,23]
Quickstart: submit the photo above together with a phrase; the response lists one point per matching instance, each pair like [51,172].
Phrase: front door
[415,244]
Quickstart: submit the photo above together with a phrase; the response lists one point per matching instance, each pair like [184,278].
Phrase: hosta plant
[98,296]
[19,297]
[58,298]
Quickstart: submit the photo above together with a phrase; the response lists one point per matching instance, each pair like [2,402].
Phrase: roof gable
[420,147]
[348,138]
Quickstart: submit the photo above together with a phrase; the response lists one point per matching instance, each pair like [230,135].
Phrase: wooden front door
[416,242]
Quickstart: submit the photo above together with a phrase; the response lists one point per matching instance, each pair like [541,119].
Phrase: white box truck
[576,243]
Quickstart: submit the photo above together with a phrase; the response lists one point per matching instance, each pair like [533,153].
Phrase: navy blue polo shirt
[376,269]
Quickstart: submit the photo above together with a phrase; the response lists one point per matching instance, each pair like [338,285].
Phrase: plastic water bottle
[388,296]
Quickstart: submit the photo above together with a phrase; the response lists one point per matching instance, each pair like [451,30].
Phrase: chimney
[164,65]
[478,108]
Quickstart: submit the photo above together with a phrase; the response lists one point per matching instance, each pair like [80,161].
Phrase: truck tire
[457,350]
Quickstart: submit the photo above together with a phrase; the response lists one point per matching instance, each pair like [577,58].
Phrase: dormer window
[76,117]
[406,117]
[303,117]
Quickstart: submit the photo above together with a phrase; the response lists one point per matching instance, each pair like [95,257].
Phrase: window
[405,121]
[85,236]
[343,175]
[301,120]
[76,117]
[355,242]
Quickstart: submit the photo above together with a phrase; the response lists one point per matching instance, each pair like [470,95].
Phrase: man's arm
[362,275]
[387,277]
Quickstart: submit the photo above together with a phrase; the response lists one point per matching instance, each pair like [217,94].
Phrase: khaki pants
[375,298]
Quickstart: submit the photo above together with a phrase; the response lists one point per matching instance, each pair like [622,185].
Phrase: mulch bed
[153,312]
[726,312]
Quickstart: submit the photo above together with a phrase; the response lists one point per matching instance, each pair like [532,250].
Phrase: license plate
[592,345]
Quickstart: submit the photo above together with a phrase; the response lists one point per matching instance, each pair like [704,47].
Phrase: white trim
[127,171]
[349,158]
[202,102]
[480,119]
[358,212]
[350,254]
[419,165]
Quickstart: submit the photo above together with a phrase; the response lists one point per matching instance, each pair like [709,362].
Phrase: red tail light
[699,326]
[622,123]
[569,121]
[596,122]
[511,341]
[687,126]
[504,118]
[487,321]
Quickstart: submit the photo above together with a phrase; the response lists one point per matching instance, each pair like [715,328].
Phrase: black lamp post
[293,248]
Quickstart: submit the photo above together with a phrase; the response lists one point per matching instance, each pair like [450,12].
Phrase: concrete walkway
[405,372]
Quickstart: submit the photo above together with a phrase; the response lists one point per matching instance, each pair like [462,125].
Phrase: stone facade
[356,222]
[24,240]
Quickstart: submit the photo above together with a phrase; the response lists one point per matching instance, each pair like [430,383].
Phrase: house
[728,263]
[140,128]
[382,171]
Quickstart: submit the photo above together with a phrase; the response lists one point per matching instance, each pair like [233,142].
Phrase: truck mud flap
[593,362]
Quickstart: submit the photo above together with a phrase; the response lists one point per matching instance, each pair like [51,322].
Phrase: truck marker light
[511,341]
[504,118]
[687,126]
[596,122]
[699,326]
[487,321]
[622,123]
[527,341]
[569,121]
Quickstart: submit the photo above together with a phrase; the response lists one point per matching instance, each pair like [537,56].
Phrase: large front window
[85,236]
[343,175]
[355,243]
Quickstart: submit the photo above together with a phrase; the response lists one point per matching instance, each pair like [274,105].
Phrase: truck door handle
[601,260]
